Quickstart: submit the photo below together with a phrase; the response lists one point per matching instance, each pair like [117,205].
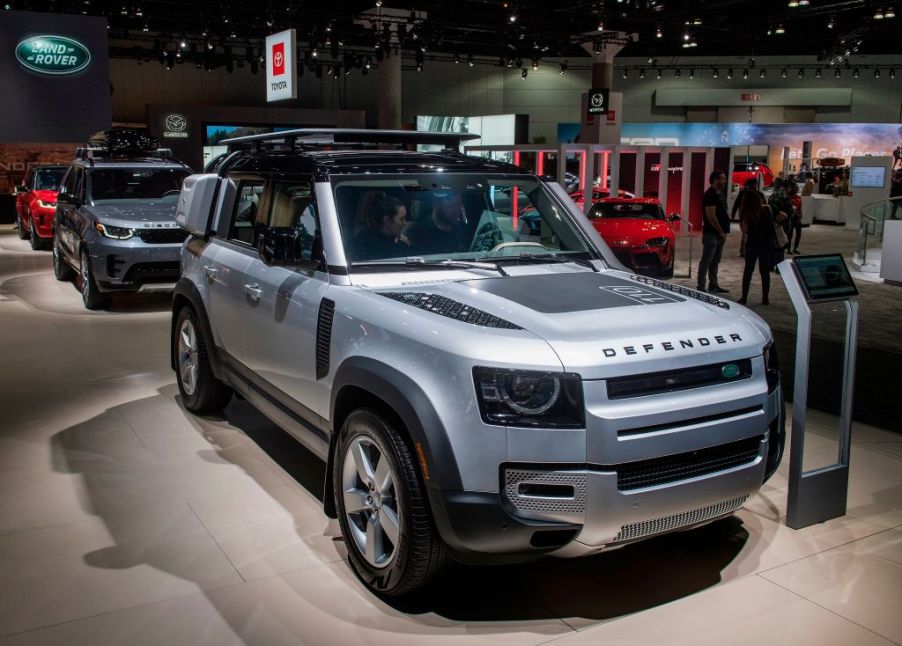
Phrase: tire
[91,295]
[369,450]
[23,235]
[668,272]
[202,393]
[61,268]
[36,242]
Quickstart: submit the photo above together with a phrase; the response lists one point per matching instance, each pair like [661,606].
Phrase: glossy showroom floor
[124,520]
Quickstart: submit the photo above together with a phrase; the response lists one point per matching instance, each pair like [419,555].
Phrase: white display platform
[824,208]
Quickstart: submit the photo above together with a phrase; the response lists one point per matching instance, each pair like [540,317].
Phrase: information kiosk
[820,494]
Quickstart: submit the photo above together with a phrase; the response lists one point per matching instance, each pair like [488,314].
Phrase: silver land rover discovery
[480,390]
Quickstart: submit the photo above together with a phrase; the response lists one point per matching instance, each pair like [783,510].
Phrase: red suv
[638,233]
[36,203]
[743,171]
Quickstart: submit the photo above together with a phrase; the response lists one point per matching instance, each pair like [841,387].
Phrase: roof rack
[352,136]
[95,153]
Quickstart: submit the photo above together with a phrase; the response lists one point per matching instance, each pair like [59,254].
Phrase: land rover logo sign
[56,55]
[729,371]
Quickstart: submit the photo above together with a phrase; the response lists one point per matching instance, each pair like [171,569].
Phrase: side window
[293,207]
[29,180]
[68,185]
[79,182]
[247,218]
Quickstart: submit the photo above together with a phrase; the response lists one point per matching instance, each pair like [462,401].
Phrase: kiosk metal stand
[820,494]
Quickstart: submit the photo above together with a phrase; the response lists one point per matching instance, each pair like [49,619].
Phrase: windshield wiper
[415,262]
[541,257]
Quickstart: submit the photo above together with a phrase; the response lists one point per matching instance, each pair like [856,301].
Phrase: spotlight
[730,74]
[601,25]
[837,73]
[890,13]
[817,73]
[877,73]
[715,73]
[830,22]
[856,73]
[563,67]
[793,4]
[456,58]
[784,73]
[745,73]
[641,73]
[658,70]
[535,64]
[625,73]
[779,30]
[659,33]
[677,73]
[892,72]
[878,14]
[691,73]
[470,60]
[801,73]
[763,73]
[523,74]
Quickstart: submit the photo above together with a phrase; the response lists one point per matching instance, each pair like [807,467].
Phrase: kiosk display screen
[824,277]
[868,177]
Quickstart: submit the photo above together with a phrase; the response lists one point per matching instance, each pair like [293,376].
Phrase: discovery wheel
[61,268]
[201,391]
[93,298]
[382,508]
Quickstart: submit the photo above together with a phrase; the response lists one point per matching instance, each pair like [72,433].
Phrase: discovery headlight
[118,233]
[526,398]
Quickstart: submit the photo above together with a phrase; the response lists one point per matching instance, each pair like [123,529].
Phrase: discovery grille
[671,380]
[162,236]
[645,528]
[671,468]
[452,309]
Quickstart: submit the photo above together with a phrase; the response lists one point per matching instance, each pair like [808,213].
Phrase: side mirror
[674,217]
[285,246]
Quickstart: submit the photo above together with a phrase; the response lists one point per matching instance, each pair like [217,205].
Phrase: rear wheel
[23,234]
[36,242]
[61,268]
[382,507]
[201,391]
[93,298]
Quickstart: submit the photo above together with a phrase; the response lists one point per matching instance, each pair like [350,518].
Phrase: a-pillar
[388,92]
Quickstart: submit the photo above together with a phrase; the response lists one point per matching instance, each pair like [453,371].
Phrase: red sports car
[638,233]
[36,203]
[598,194]
[743,171]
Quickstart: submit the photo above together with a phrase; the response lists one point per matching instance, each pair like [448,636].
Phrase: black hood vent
[683,291]
[449,308]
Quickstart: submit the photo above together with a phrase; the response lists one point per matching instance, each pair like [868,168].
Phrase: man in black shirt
[715,227]
[442,232]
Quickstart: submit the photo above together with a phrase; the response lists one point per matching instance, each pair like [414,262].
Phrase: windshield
[438,216]
[48,179]
[626,210]
[109,185]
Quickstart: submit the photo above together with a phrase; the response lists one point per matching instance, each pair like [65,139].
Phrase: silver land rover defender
[480,390]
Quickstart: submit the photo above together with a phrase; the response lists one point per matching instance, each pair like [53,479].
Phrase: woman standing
[757,223]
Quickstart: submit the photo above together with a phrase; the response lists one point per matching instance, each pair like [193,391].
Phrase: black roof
[324,163]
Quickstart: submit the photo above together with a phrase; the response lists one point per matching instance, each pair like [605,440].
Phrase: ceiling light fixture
[856,73]
[779,30]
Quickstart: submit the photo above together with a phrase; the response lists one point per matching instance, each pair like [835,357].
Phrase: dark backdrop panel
[42,108]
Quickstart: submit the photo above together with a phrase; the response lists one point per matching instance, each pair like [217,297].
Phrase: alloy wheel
[370,501]
[84,275]
[187,356]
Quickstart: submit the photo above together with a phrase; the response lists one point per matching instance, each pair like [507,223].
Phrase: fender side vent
[324,336]
[449,308]
[682,291]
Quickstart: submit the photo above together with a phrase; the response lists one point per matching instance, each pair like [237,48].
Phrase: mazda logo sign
[176,123]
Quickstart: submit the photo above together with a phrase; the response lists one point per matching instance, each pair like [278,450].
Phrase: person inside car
[442,232]
[383,238]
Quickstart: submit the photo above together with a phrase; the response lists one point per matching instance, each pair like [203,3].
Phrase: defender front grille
[449,308]
[645,528]
[671,380]
[671,468]
[162,236]
[546,491]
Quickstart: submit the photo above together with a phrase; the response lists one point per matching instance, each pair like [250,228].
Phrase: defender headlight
[771,366]
[525,398]
[46,205]
[109,231]
[656,242]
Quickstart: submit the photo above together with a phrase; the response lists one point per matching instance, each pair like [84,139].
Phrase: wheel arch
[187,294]
[362,382]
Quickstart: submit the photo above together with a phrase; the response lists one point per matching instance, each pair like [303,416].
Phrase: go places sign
[56,55]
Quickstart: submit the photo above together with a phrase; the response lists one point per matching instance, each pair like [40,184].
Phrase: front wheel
[382,507]
[201,391]
[93,298]
[36,242]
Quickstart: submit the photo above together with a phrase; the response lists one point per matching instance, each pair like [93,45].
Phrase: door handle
[210,271]
[253,291]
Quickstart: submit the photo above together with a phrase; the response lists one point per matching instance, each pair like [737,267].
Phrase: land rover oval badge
[55,55]
[729,371]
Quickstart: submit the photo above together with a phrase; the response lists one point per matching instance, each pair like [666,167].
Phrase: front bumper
[652,261]
[571,510]
[42,221]
[133,265]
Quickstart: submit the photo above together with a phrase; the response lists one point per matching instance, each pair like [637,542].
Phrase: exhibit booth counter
[869,181]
